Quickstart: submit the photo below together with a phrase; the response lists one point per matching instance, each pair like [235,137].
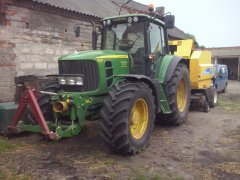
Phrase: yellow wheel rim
[182,95]
[139,119]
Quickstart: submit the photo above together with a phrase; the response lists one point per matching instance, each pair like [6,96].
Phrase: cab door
[157,44]
[224,77]
[221,76]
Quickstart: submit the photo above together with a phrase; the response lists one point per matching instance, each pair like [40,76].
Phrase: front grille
[87,68]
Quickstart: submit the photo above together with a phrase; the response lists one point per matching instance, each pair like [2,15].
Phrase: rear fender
[166,68]
[172,66]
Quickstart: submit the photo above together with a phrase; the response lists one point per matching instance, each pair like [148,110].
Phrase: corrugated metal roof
[97,8]
[104,8]
[133,5]
[225,51]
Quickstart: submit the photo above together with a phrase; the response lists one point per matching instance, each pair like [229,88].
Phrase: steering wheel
[125,44]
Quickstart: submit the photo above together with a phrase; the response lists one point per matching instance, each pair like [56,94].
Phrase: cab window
[221,71]
[157,41]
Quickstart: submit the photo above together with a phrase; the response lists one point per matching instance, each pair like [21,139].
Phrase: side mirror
[169,21]
[172,48]
[77,31]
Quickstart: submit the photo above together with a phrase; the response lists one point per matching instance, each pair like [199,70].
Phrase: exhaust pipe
[60,106]
[48,93]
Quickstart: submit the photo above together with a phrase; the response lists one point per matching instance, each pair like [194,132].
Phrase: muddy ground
[207,146]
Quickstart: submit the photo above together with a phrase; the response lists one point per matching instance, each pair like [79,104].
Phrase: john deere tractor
[126,84]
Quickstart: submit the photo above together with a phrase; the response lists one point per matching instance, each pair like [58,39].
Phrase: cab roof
[150,18]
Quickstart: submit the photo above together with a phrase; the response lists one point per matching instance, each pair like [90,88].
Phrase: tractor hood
[90,54]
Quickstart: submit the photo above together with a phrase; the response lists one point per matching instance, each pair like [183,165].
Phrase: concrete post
[215,60]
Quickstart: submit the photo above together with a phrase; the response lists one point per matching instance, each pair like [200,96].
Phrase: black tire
[116,113]
[177,117]
[213,97]
[44,102]
[206,107]
[224,90]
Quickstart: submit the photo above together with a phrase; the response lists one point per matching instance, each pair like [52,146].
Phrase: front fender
[154,84]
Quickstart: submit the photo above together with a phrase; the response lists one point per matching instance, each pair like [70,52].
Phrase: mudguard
[154,84]
[171,67]
[166,66]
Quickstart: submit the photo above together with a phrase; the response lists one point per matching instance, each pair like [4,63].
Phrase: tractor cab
[143,37]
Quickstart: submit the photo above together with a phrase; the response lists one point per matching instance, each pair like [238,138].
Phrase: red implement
[29,98]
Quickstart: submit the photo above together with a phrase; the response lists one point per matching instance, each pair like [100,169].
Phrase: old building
[34,33]
[229,56]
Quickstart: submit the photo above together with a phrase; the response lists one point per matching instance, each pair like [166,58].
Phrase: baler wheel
[213,98]
[128,117]
[178,95]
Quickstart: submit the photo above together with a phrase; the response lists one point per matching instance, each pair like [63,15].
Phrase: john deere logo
[124,64]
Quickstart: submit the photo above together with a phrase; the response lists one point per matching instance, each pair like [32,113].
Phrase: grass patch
[229,105]
[7,171]
[226,140]
[156,177]
[203,172]
[9,175]
[6,145]
[230,167]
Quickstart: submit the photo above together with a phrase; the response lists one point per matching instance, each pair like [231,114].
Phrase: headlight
[130,19]
[62,80]
[108,22]
[67,80]
[79,81]
[104,23]
[135,19]
[71,81]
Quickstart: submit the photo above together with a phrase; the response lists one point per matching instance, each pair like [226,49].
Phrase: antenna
[126,2]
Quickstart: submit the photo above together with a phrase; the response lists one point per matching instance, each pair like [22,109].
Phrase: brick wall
[31,41]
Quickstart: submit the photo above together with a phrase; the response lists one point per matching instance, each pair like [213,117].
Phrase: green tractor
[130,84]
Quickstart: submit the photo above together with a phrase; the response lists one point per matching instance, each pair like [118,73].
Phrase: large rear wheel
[128,117]
[178,95]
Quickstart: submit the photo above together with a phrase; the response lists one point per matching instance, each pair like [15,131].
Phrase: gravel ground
[207,146]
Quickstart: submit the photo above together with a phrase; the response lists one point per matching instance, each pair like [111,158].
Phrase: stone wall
[31,42]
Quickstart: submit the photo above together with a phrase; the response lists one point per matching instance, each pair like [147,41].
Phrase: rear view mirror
[169,21]
[220,75]
[172,48]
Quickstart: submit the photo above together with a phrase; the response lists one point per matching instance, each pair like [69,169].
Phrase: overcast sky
[215,23]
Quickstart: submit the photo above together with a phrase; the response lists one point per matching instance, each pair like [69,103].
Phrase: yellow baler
[200,70]
[200,67]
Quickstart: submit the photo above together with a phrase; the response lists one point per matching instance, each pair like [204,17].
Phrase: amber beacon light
[151,7]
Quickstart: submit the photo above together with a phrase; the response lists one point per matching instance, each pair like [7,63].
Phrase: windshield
[127,37]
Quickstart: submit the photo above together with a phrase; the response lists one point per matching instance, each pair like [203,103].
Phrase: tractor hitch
[29,99]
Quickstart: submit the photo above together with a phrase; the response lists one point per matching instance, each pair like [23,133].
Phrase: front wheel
[224,90]
[128,116]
